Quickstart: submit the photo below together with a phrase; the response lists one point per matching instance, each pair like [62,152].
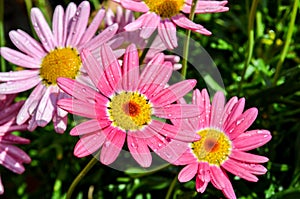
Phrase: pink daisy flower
[56,56]
[166,14]
[124,38]
[11,156]
[127,105]
[223,144]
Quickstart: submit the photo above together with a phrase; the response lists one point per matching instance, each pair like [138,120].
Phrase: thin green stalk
[148,46]
[287,42]
[2,36]
[250,42]
[171,187]
[187,42]
[84,171]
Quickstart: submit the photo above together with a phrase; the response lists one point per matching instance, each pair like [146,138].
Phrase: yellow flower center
[165,8]
[61,62]
[129,110]
[214,147]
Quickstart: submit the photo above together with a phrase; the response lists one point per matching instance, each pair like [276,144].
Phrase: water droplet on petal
[107,144]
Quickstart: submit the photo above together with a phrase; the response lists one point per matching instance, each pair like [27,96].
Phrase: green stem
[148,46]
[2,37]
[86,169]
[187,42]
[171,188]
[251,42]
[287,42]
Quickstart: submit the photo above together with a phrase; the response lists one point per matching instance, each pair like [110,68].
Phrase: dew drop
[134,145]
[238,122]
[107,144]
[168,155]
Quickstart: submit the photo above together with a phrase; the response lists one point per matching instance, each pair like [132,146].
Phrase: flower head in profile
[56,55]
[11,156]
[165,15]
[223,144]
[127,106]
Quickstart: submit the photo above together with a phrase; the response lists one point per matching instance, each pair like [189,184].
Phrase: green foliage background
[253,64]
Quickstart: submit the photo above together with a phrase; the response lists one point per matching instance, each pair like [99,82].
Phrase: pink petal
[81,108]
[60,123]
[186,23]
[90,126]
[80,91]
[228,108]
[115,139]
[16,153]
[18,75]
[9,112]
[31,103]
[1,187]
[252,139]
[58,25]
[93,27]
[188,172]
[176,111]
[207,7]
[217,110]
[10,163]
[173,132]
[247,157]
[236,111]
[70,12]
[218,176]
[155,75]
[13,139]
[78,24]
[27,44]
[169,150]
[88,144]
[46,107]
[19,59]
[130,69]
[206,107]
[162,76]
[233,167]
[42,29]
[200,185]
[134,6]
[149,25]
[111,68]
[167,33]
[139,150]
[101,38]
[19,86]
[173,93]
[96,73]
[242,123]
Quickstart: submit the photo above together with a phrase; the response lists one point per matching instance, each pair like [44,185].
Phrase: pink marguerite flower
[127,106]
[165,15]
[56,55]
[124,38]
[11,156]
[223,144]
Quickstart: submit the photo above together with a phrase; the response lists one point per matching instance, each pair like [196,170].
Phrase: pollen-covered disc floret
[61,62]
[214,147]
[129,110]
[165,8]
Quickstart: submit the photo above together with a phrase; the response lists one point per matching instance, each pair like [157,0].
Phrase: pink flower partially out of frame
[56,55]
[127,106]
[11,156]
[165,15]
[223,144]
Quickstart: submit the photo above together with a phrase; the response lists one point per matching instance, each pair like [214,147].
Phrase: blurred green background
[256,47]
